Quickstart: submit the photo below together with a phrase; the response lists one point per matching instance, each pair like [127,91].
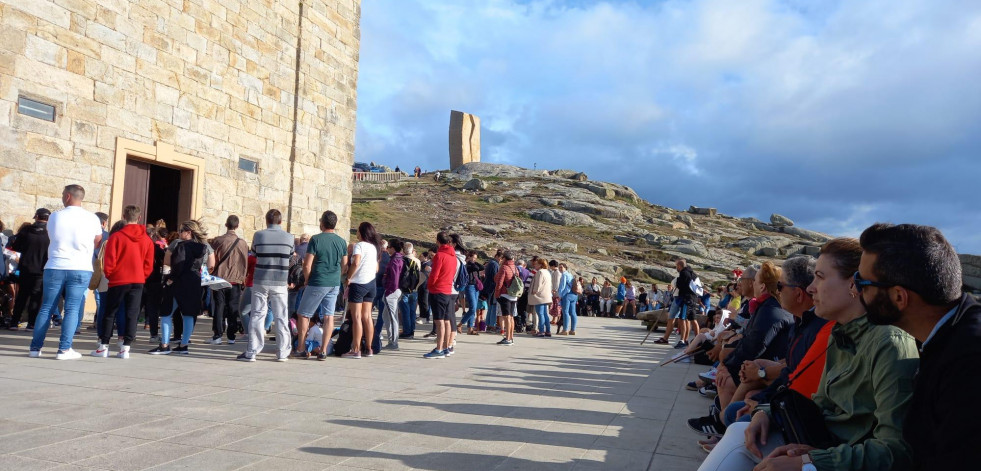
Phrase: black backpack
[187,259]
[409,278]
[344,338]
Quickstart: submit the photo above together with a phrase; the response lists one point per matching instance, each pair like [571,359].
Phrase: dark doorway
[156,189]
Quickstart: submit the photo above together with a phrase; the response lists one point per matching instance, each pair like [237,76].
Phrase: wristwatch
[808,466]
[762,373]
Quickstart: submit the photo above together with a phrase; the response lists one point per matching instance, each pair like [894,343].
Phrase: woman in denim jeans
[540,296]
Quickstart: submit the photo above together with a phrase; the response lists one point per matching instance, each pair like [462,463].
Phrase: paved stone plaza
[594,401]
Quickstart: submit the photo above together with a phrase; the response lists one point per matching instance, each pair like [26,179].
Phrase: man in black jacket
[32,243]
[910,277]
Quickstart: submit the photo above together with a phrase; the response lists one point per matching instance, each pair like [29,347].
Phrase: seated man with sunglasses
[910,277]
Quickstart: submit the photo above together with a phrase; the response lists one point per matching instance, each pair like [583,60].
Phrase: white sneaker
[231,341]
[216,341]
[34,354]
[123,352]
[120,344]
[102,351]
[69,354]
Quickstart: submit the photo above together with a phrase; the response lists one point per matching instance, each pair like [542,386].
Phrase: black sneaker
[429,335]
[709,425]
[182,350]
[680,345]
[503,342]
[322,356]
[692,386]
[407,336]
[301,355]
[160,351]
[244,357]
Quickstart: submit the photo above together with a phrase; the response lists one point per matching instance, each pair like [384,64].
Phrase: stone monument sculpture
[464,139]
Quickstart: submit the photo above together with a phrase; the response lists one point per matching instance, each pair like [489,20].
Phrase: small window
[250,166]
[35,109]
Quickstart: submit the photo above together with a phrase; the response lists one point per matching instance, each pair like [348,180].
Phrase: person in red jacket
[441,297]
[128,261]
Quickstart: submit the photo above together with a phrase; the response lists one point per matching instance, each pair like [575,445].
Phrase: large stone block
[464,139]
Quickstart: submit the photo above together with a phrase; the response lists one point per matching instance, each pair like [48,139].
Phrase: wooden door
[136,185]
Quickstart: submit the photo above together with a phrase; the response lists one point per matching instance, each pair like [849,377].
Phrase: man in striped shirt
[273,247]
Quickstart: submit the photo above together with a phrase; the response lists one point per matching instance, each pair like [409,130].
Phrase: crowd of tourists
[281,287]
[858,359]
[855,360]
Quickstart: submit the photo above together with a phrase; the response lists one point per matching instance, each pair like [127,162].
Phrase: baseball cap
[42,214]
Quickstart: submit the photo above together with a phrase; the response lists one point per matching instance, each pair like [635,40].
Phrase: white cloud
[820,98]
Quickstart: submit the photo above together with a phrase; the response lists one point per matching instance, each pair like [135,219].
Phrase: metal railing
[380,177]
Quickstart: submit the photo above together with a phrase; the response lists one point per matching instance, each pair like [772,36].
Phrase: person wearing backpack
[393,292]
[687,300]
[410,284]
[183,262]
[508,287]
[460,282]
[490,272]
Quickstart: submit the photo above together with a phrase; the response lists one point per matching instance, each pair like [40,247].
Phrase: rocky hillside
[600,229]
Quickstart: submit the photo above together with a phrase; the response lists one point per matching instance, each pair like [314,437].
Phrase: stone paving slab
[595,401]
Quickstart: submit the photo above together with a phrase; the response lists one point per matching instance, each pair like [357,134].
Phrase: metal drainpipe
[296,109]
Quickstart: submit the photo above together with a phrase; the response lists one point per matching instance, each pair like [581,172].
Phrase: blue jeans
[544,326]
[730,415]
[491,312]
[317,299]
[73,283]
[569,310]
[407,306]
[470,293]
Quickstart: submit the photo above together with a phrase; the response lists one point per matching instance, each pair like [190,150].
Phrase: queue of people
[277,288]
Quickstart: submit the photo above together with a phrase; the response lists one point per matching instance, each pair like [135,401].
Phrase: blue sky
[836,114]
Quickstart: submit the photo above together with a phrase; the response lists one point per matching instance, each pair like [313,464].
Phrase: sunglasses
[781,286]
[861,283]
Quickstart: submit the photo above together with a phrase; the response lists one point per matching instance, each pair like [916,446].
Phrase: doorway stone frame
[191,203]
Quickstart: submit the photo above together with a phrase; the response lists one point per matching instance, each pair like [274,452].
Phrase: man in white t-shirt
[74,233]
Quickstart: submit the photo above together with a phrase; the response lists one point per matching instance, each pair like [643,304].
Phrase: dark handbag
[800,420]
